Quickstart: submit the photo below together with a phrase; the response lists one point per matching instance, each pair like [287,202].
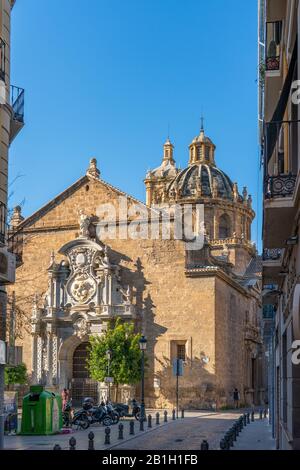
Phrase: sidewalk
[256,436]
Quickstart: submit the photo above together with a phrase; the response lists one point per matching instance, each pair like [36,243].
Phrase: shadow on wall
[197,387]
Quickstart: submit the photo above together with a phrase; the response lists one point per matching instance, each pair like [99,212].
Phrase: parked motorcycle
[112,412]
[81,419]
[96,414]
[123,410]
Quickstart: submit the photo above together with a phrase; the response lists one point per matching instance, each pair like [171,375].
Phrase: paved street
[187,433]
[180,434]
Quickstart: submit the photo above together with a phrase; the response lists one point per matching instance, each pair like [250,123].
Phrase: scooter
[112,412]
[96,414]
[123,410]
[81,419]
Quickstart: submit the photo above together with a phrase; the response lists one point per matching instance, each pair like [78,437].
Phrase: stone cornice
[211,271]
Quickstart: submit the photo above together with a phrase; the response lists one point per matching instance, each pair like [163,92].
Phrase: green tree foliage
[16,375]
[125,364]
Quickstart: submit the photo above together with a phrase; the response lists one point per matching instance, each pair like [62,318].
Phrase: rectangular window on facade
[181,351]
[178,350]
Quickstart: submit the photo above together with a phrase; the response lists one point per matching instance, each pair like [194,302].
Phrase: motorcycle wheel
[82,422]
[107,421]
[137,415]
[115,418]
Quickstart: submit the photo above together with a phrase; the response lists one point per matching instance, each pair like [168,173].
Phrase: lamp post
[143,347]
[108,355]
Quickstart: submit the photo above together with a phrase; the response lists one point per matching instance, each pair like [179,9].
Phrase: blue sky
[107,78]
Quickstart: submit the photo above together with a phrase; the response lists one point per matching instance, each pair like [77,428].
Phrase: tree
[16,375]
[125,363]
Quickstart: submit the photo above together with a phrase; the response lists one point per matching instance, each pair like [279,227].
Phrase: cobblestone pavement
[186,433]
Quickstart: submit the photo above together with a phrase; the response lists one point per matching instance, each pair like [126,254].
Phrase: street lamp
[108,355]
[143,347]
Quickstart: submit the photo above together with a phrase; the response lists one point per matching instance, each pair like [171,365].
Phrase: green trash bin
[41,412]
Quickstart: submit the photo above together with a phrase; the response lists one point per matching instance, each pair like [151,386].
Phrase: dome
[166,169]
[201,180]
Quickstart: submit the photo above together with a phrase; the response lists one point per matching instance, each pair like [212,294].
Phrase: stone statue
[84,223]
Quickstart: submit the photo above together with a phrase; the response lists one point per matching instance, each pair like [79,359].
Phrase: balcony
[272,265]
[17,105]
[15,246]
[280,174]
[3,215]
[273,46]
[2,60]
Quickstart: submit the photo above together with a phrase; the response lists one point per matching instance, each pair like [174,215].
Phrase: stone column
[215,227]
[34,357]
[39,361]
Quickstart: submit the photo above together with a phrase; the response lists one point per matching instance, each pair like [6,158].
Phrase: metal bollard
[252,416]
[245,420]
[223,444]
[107,436]
[260,414]
[57,447]
[173,415]
[227,443]
[131,428]
[165,416]
[149,421]
[91,441]
[265,412]
[157,418]
[248,418]
[72,443]
[141,425]
[121,429]
[234,432]
[204,445]
[182,413]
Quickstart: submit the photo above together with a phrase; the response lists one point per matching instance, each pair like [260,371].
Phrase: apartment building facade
[279,75]
[11,122]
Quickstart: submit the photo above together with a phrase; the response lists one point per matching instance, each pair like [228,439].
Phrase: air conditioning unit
[7,266]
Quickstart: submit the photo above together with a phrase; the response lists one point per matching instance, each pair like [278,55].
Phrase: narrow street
[186,433]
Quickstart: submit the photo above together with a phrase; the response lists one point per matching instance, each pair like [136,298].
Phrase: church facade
[199,305]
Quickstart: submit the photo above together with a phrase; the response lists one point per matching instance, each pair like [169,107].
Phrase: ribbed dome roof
[203,180]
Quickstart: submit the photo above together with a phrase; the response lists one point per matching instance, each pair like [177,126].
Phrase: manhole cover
[178,440]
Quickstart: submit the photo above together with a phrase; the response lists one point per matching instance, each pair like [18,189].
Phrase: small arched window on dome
[224,227]
[207,153]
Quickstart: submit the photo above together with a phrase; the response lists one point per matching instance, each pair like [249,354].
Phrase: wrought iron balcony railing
[3,218]
[273,45]
[17,103]
[272,254]
[15,246]
[280,158]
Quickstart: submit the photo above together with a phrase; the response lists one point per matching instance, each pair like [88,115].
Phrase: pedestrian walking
[236,398]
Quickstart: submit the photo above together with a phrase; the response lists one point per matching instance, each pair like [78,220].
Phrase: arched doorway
[82,384]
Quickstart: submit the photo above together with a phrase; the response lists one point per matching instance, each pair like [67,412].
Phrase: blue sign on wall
[177,367]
